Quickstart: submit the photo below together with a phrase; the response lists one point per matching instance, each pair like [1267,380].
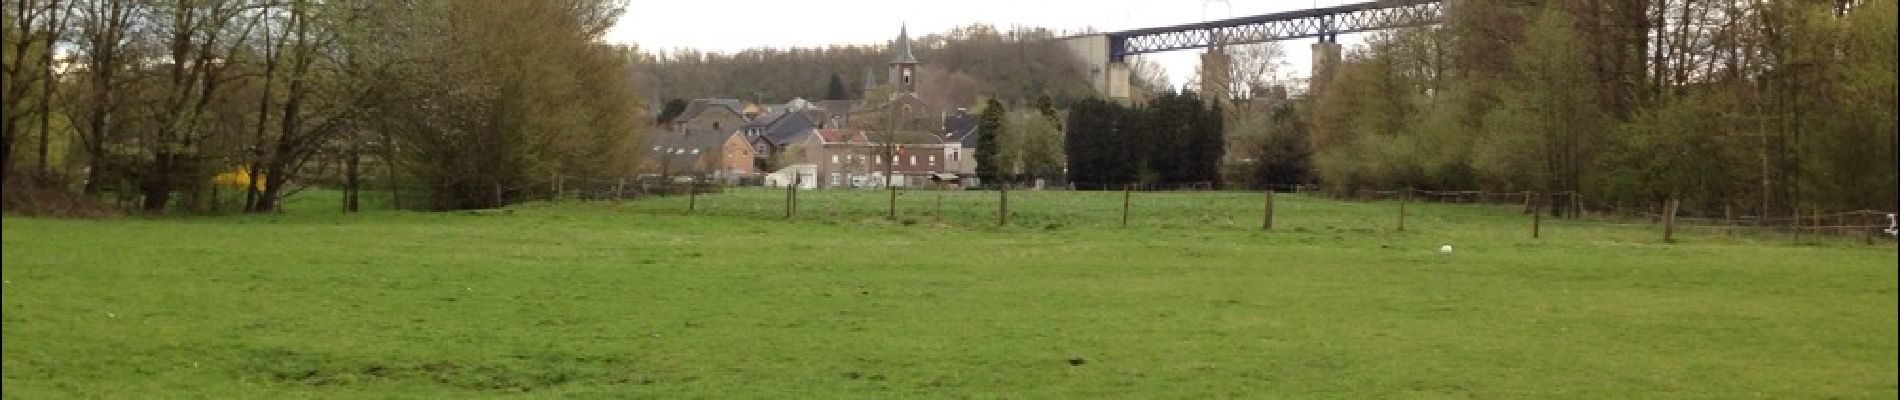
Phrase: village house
[808,143]
[711,115]
[713,155]
[863,158]
[845,158]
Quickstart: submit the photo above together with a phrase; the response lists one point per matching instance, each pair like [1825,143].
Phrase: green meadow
[640,299]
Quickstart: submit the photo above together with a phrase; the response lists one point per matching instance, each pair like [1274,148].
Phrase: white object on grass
[1444,249]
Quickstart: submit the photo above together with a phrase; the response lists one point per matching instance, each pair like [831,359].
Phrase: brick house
[704,153]
[711,115]
[854,158]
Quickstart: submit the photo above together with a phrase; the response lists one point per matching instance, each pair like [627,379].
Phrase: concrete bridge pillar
[1325,65]
[1217,76]
[1108,77]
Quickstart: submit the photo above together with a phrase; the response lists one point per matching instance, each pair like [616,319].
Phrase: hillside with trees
[959,67]
[1762,107]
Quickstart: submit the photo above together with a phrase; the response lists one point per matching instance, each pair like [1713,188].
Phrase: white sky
[733,25]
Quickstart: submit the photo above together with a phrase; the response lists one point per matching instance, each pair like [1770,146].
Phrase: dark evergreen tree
[1047,107]
[671,110]
[1176,138]
[989,128]
[1210,145]
[837,91]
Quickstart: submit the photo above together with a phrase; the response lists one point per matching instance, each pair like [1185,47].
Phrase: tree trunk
[273,187]
[283,158]
[157,185]
[389,167]
[352,184]
[100,118]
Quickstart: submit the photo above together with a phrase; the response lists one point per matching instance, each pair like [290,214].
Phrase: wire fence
[1206,205]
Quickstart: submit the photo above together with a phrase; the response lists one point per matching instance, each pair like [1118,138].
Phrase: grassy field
[637,299]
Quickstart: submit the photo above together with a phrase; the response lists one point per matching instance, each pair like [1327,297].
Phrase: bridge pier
[1107,74]
[1326,55]
[1217,76]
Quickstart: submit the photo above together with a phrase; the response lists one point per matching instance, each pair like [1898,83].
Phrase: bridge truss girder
[1323,23]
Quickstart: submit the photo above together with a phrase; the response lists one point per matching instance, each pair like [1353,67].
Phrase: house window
[834,158]
[953,156]
[913,159]
[931,159]
[907,75]
[695,151]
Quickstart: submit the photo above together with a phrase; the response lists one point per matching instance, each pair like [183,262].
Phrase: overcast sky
[733,25]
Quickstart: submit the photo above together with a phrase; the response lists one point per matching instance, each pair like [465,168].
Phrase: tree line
[960,68]
[1172,138]
[463,100]
[1765,106]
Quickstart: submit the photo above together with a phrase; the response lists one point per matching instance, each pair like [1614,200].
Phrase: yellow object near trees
[239,177]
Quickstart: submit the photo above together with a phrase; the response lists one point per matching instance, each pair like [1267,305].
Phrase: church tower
[903,65]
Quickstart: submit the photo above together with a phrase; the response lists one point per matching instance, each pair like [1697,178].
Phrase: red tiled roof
[842,136]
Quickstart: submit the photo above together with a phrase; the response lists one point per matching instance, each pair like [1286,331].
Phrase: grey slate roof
[675,149]
[704,140]
[961,127]
[782,129]
[698,106]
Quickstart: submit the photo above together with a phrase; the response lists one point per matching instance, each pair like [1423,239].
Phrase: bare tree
[30,32]
[105,39]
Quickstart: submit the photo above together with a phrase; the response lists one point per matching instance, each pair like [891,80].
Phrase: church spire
[903,65]
[901,50]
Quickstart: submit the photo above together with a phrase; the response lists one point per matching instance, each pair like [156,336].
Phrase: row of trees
[1769,106]
[152,98]
[1174,137]
[1020,142]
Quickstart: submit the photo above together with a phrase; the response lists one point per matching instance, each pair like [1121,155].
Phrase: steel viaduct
[1103,54]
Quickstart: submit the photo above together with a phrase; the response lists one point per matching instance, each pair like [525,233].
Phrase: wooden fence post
[1795,224]
[1669,220]
[1662,207]
[1537,214]
[893,187]
[1266,214]
[1867,234]
[498,198]
[692,197]
[1817,222]
[1728,214]
[1127,190]
[1403,198]
[620,188]
[1576,201]
[1002,206]
[791,196]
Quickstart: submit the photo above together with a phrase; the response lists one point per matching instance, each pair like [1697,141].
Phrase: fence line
[1178,204]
